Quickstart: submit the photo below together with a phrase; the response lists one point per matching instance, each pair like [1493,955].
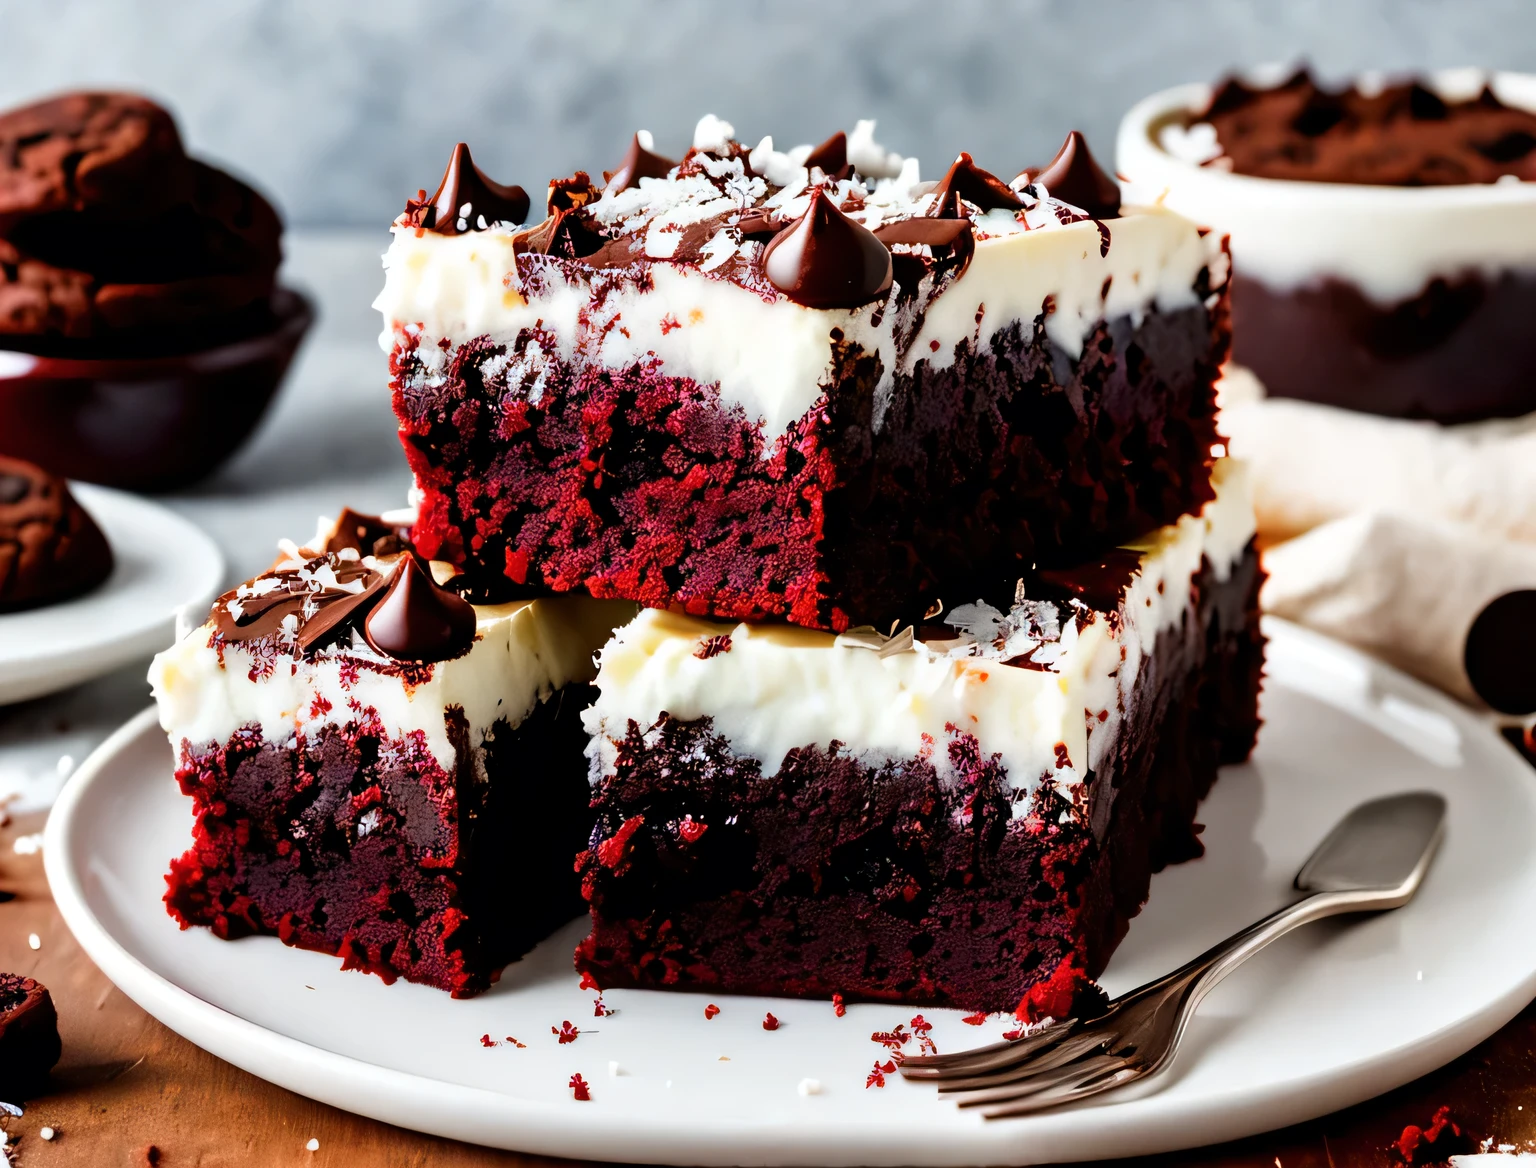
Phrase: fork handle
[1188,984]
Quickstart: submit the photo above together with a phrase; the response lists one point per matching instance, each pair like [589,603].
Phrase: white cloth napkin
[1388,534]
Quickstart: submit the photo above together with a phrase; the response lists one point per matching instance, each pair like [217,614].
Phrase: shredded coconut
[712,134]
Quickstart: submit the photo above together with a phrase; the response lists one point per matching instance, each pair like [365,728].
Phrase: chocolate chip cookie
[109,232]
[50,549]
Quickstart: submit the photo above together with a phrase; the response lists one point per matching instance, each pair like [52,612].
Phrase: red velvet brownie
[968,817]
[378,769]
[754,384]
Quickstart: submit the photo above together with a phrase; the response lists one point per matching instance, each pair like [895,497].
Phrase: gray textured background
[340,109]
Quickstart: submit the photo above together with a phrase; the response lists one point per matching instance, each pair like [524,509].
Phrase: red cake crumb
[1012,1035]
[974,1019]
[566,1032]
[895,1038]
[516,1043]
[713,647]
[487,1040]
[922,1030]
[610,853]
[711,1010]
[588,982]
[600,1009]
[581,1090]
[1068,993]
[770,1022]
[837,1005]
[877,1076]
[1434,1144]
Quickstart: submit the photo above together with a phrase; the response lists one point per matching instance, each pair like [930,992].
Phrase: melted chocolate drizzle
[1074,177]
[418,620]
[935,233]
[826,260]
[638,163]
[950,241]
[832,157]
[759,221]
[1097,583]
[566,232]
[369,535]
[335,609]
[464,182]
[965,180]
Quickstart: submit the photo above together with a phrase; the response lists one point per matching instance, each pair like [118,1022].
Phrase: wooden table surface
[126,1085]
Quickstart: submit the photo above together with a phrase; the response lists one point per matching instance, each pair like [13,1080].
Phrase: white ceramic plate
[1331,1015]
[161,563]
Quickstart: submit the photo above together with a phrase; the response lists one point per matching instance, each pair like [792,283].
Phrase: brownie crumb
[1435,1144]
[29,1036]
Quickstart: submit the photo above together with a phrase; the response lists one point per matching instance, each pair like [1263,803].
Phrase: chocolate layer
[360,845]
[1460,351]
[837,876]
[631,483]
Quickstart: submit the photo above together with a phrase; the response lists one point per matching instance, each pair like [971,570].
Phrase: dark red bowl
[146,423]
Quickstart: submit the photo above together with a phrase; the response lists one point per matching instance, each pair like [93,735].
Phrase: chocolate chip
[1500,655]
[826,260]
[418,620]
[467,198]
[1074,177]
[981,188]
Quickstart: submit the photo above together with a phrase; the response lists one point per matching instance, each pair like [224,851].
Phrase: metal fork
[1374,859]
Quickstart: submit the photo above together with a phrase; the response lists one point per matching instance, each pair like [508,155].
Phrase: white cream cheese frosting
[764,352]
[777,687]
[523,653]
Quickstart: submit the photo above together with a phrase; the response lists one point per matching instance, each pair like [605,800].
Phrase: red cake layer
[630,483]
[882,882]
[353,843]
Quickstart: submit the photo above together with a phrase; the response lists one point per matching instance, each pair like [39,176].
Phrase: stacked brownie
[377,769]
[949,599]
[966,813]
[756,392]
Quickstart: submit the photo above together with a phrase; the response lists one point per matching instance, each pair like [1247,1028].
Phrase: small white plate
[1331,1015]
[161,562]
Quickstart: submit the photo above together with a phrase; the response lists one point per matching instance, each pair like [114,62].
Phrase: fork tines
[995,1057]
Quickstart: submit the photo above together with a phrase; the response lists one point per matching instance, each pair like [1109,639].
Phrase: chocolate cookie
[29,1037]
[37,298]
[149,246]
[50,549]
[82,150]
